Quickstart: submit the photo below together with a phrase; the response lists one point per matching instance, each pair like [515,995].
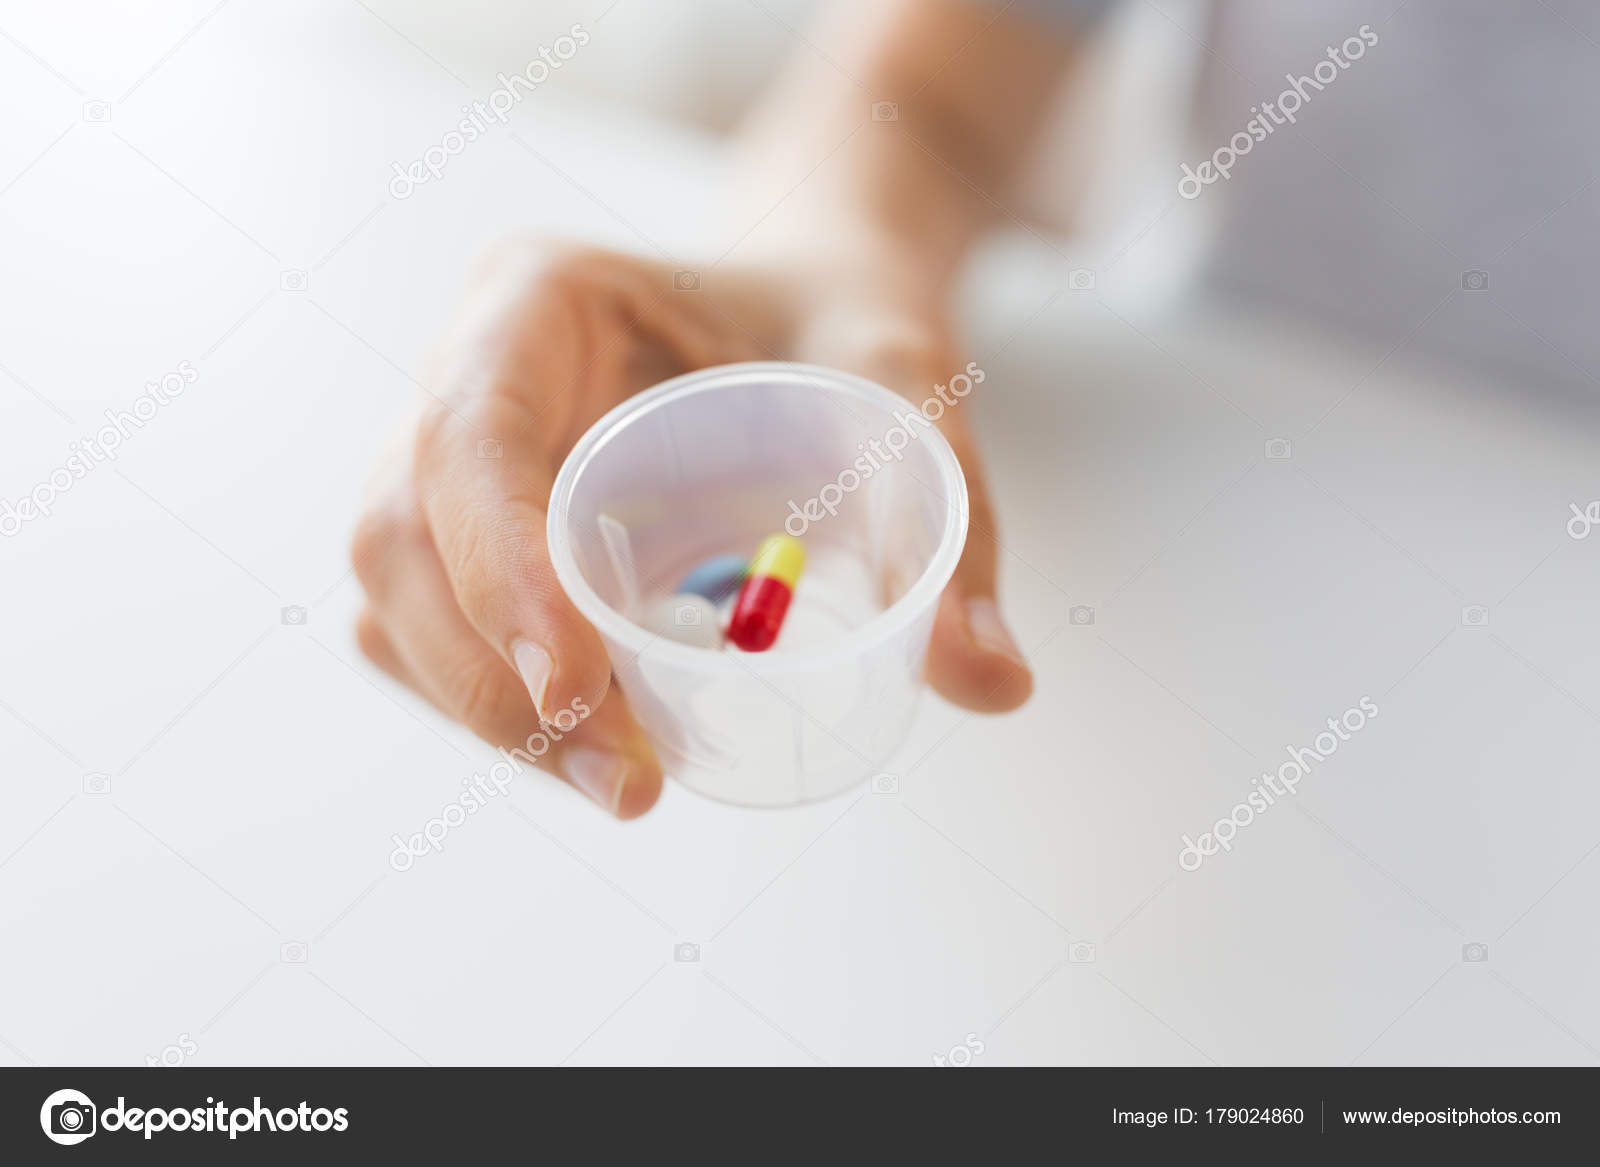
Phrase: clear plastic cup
[713,462]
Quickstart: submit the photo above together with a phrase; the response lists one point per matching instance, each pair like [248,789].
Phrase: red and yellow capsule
[764,599]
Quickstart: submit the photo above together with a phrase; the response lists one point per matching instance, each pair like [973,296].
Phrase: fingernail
[533,663]
[598,773]
[989,632]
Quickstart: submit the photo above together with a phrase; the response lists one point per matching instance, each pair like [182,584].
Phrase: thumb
[973,659]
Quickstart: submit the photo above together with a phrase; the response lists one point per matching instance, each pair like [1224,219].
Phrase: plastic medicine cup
[712,462]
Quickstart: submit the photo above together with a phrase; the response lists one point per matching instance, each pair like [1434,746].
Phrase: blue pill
[717,578]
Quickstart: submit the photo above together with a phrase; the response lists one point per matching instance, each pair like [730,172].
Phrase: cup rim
[921,598]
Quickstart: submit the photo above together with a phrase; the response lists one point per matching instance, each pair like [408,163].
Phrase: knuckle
[375,533]
[571,266]
[370,637]
[910,338]
[540,262]
[907,351]
[434,426]
[380,537]
[909,346]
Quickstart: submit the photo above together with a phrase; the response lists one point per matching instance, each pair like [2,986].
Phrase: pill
[685,618]
[717,578]
[764,598]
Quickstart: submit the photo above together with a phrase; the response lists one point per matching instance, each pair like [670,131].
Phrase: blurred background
[1232,508]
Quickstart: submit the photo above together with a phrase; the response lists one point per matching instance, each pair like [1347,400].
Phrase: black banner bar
[326,1115]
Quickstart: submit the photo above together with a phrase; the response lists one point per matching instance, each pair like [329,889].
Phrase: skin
[851,268]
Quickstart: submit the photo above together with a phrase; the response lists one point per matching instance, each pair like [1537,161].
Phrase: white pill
[686,618]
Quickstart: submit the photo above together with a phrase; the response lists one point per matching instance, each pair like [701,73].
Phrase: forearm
[969,83]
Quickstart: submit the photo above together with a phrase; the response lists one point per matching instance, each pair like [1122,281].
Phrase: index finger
[487,515]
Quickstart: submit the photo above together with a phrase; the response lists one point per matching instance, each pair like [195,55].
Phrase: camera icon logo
[1475,953]
[293,280]
[1279,450]
[68,1117]
[97,111]
[686,616]
[1081,953]
[686,281]
[97,783]
[1475,616]
[489,448]
[686,953]
[885,111]
[1081,279]
[294,615]
[293,952]
[885,784]
[1080,614]
[1475,280]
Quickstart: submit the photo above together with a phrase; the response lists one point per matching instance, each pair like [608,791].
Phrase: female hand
[462,601]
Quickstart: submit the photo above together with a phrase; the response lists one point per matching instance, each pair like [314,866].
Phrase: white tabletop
[196,799]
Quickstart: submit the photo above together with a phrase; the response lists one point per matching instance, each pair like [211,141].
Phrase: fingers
[969,663]
[563,335]
[465,604]
[376,646]
[414,631]
[487,519]
[973,659]
[609,758]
